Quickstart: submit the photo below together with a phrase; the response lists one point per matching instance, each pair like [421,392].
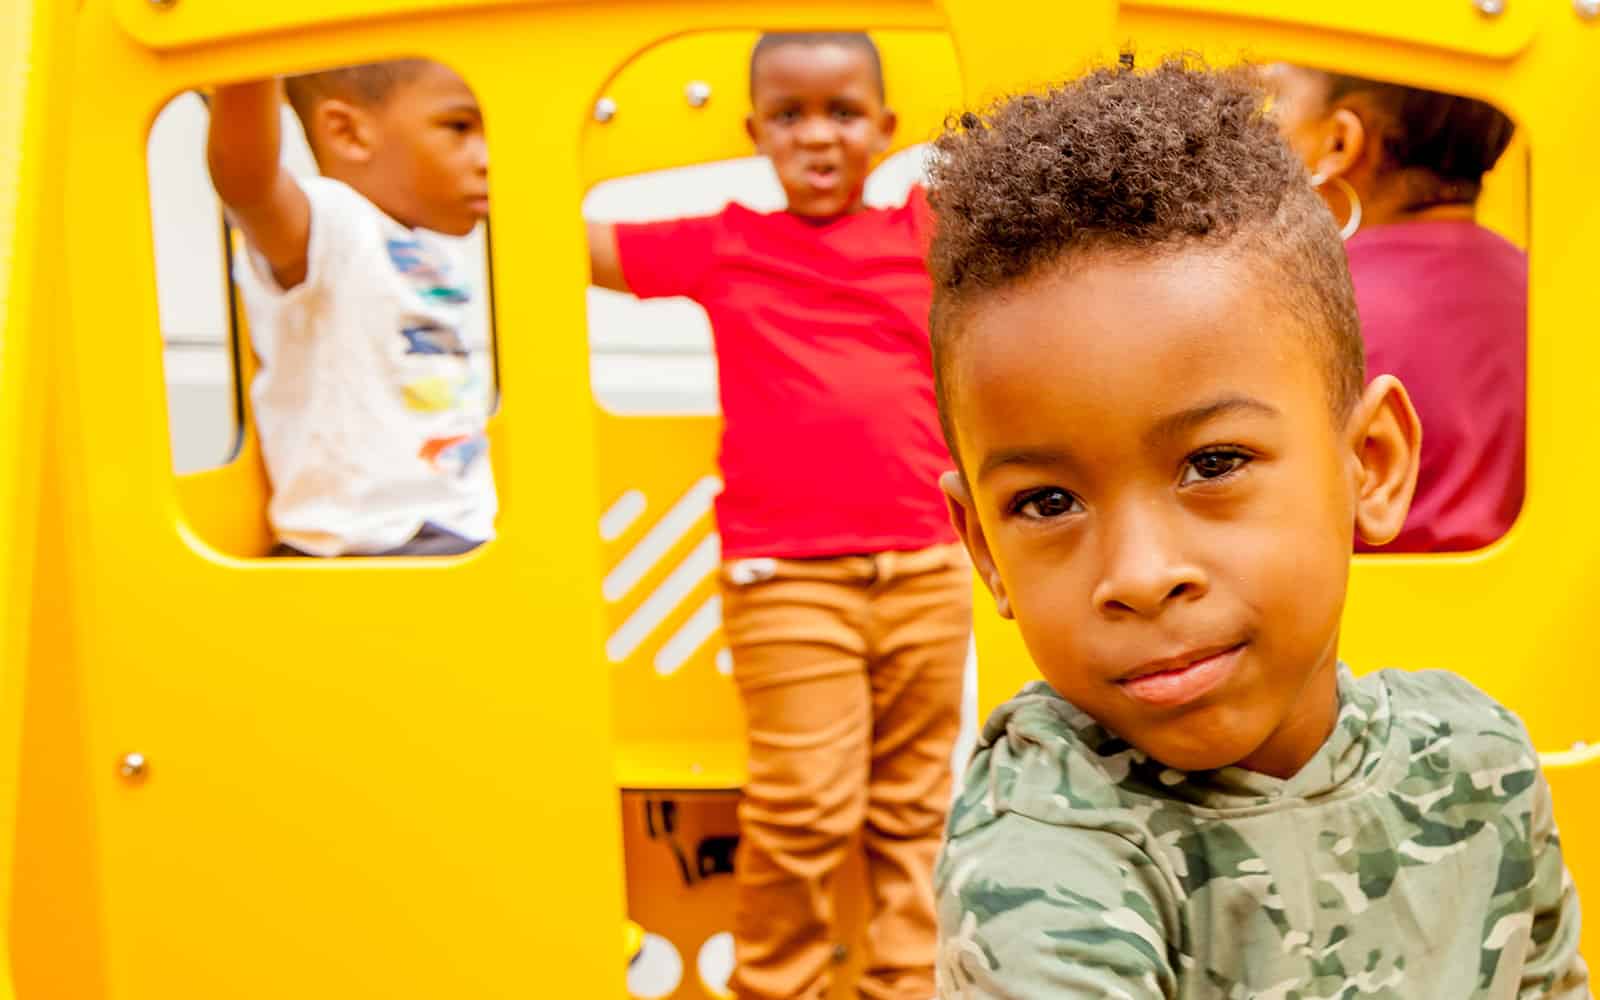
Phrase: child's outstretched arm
[605,263]
[262,197]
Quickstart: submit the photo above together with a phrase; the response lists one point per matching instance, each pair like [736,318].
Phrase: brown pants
[851,673]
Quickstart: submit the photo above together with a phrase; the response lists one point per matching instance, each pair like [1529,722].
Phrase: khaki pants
[851,672]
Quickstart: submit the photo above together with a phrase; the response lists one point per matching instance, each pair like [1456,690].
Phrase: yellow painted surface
[31,145]
[399,778]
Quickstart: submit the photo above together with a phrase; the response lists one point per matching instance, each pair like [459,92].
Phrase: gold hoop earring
[1353,223]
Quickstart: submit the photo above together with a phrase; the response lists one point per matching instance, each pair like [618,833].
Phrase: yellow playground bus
[223,775]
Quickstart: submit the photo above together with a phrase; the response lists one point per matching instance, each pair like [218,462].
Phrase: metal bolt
[133,767]
[1490,8]
[697,93]
[1587,9]
[605,109]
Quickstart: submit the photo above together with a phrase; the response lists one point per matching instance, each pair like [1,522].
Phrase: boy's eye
[460,126]
[787,116]
[1045,504]
[846,114]
[1215,464]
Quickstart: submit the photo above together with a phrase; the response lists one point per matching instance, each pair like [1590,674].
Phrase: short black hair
[1139,163]
[859,40]
[1445,141]
[367,83]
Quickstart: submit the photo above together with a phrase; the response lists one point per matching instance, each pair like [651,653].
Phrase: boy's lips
[1180,679]
[822,178]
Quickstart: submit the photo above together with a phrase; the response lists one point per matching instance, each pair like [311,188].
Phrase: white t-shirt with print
[370,416]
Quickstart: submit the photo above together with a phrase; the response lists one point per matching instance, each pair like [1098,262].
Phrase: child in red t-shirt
[846,603]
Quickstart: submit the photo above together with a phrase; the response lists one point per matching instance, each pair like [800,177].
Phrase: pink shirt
[1444,306]
[830,441]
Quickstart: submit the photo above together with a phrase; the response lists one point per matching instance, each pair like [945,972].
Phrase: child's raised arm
[605,265]
[242,151]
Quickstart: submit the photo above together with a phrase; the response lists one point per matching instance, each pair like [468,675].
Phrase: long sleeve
[1554,968]
[1031,910]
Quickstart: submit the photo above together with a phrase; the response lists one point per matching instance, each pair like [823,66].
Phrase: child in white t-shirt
[370,417]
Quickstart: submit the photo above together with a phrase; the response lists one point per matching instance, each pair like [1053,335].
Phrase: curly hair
[1135,163]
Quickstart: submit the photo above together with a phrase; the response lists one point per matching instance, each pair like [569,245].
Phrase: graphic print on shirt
[429,337]
[454,455]
[427,271]
[443,393]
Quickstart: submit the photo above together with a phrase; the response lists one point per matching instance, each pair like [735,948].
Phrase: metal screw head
[605,109]
[133,767]
[697,93]
[1587,9]
[1490,8]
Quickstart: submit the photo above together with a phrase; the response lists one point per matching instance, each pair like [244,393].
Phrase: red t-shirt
[1444,306]
[830,440]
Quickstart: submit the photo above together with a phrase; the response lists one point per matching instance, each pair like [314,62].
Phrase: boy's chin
[458,227]
[813,205]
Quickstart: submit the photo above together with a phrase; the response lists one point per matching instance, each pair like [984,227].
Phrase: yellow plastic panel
[33,46]
[165,24]
[1457,25]
[677,717]
[366,778]
[656,128]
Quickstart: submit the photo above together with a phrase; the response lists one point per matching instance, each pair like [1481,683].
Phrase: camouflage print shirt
[1413,857]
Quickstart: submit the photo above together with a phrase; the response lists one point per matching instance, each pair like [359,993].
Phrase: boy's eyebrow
[1169,426]
[1174,424]
[1020,456]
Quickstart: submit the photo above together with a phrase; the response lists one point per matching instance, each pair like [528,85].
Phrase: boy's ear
[886,128]
[750,130]
[345,131]
[964,515]
[1386,444]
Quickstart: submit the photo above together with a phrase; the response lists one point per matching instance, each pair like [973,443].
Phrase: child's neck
[366,184]
[1303,733]
[856,207]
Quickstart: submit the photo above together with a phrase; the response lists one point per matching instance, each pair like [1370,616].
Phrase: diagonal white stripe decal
[701,561]
[687,640]
[621,515]
[666,533]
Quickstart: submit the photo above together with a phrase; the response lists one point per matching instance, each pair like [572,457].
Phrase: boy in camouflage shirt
[1151,375]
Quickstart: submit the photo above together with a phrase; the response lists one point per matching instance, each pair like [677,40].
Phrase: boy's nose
[817,131]
[1143,570]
